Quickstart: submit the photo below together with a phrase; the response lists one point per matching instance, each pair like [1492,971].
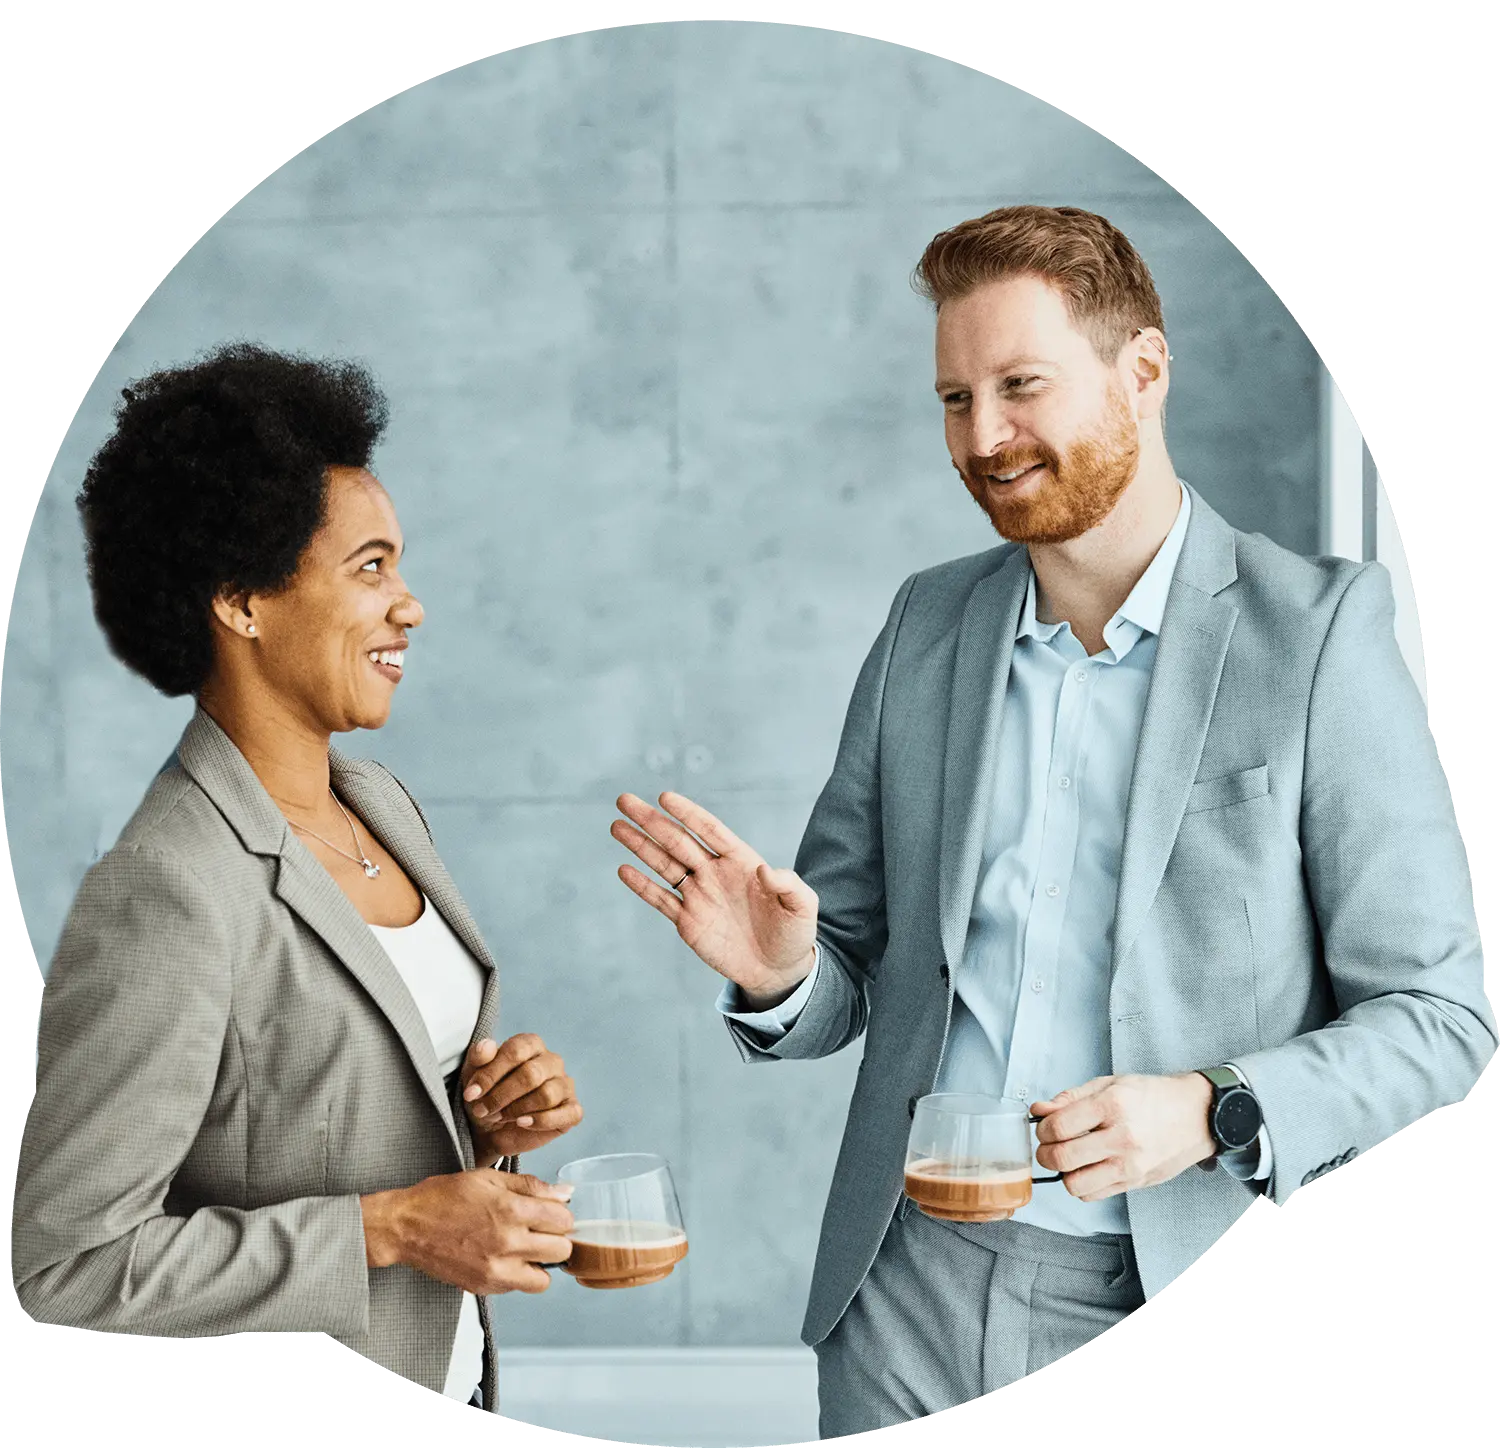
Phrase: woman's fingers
[557,1119]
[545,1247]
[501,1062]
[553,1093]
[524,1079]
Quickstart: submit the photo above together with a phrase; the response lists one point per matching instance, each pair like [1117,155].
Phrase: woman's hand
[517,1095]
[481,1230]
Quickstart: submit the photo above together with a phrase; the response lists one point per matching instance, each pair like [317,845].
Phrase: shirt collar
[1144,606]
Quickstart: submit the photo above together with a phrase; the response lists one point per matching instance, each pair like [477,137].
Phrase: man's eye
[373,563]
[955,399]
[1016,384]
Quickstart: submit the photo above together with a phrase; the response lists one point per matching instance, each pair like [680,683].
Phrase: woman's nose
[406,611]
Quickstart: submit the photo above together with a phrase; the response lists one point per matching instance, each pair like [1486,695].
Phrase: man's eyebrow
[383,544]
[1040,364]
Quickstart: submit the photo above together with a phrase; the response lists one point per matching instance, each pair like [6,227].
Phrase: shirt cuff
[777,1021]
[1251,1163]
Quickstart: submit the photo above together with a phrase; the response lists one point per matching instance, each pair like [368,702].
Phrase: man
[1135,819]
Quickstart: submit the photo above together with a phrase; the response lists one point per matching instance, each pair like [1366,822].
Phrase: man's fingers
[1072,1112]
[1095,1182]
[645,848]
[652,893]
[667,833]
[709,828]
[1077,1152]
[790,888]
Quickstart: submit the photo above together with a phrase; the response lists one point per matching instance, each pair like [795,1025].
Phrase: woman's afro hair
[214,482]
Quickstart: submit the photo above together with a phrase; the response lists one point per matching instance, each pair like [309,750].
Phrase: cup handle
[1037,1181]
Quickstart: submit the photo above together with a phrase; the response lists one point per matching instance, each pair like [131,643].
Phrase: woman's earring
[249,628]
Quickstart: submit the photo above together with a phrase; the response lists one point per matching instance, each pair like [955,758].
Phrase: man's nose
[990,428]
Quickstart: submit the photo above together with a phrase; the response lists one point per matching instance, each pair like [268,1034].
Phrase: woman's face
[331,644]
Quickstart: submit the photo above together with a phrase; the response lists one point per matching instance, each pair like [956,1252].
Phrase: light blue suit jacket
[1294,894]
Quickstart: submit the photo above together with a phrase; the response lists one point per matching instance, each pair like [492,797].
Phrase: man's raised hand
[754,925]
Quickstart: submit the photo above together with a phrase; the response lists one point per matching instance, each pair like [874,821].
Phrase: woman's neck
[288,755]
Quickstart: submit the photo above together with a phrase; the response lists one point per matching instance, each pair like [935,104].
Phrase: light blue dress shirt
[1031,997]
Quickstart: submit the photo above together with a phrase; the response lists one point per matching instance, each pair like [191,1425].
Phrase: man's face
[1042,432]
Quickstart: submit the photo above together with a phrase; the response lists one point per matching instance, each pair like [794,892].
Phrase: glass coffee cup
[969,1157]
[627,1226]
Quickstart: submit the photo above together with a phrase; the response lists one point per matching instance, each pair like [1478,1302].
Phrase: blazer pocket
[1229,789]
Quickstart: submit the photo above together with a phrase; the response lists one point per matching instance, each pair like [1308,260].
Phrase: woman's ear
[233,611]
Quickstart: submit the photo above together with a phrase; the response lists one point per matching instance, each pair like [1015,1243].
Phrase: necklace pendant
[371,868]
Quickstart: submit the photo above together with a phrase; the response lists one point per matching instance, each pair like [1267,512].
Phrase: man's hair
[1101,277]
[214,478]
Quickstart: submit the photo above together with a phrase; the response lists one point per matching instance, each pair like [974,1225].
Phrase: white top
[447,984]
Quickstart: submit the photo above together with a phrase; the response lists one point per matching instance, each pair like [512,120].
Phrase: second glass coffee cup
[969,1157]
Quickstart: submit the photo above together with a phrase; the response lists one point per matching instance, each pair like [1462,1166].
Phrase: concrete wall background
[664,446]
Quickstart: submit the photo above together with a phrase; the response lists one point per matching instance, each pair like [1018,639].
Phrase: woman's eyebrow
[383,544]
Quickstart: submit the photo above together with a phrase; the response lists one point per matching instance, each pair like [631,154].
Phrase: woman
[265,1088]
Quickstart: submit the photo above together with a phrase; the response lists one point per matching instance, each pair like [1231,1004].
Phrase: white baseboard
[673,1397]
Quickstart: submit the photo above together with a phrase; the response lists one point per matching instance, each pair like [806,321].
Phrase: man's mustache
[975,470]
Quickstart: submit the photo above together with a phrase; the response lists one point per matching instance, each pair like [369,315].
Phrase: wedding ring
[685,874]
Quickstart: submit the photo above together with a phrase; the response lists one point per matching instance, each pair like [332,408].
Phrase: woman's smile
[387,661]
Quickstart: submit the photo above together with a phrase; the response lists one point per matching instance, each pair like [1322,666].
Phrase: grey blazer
[227,1061]
[1293,895]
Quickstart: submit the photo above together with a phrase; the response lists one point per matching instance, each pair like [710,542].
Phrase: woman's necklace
[371,868]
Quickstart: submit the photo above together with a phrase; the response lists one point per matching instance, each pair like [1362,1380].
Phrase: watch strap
[1225,1078]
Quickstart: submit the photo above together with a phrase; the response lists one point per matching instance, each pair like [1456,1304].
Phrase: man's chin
[1022,523]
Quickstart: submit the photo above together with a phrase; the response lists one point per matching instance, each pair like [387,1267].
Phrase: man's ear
[1148,357]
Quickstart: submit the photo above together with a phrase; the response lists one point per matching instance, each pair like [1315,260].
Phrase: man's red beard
[1084,486]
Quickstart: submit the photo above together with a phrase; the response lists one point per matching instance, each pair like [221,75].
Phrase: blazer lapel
[213,761]
[1190,651]
[382,802]
[981,667]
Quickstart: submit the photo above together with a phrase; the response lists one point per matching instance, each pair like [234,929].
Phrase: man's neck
[288,755]
[1083,582]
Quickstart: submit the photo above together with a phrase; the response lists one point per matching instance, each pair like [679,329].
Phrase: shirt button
[1052,890]
[1021,1093]
[1064,782]
[1080,676]
[1038,984]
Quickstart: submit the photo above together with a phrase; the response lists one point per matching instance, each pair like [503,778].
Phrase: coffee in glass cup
[627,1226]
[968,1157]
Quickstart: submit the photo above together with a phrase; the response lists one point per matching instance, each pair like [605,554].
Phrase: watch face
[1237,1121]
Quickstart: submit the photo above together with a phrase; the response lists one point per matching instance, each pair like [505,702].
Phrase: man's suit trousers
[941,1319]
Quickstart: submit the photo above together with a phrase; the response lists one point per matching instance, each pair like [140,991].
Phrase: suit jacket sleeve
[136,1030]
[1389,884]
[841,857]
